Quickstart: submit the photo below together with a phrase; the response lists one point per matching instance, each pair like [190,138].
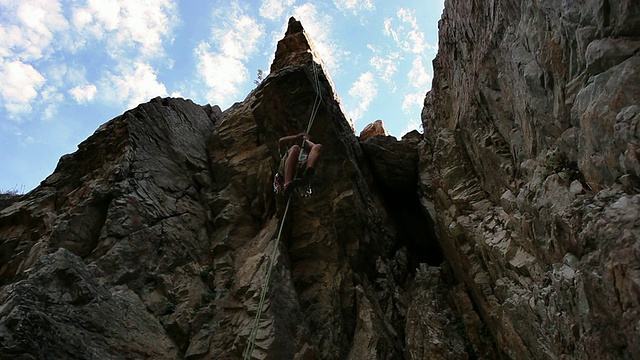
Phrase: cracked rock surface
[530,162]
[153,240]
[508,230]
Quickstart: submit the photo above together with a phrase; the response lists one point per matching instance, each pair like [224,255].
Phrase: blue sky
[68,66]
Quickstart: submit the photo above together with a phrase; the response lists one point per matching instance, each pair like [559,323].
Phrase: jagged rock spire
[296,48]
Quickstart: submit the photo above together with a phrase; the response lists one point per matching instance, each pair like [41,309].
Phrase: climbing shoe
[305,190]
[288,189]
[308,173]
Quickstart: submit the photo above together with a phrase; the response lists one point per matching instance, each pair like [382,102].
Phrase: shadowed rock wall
[154,239]
[531,163]
[102,259]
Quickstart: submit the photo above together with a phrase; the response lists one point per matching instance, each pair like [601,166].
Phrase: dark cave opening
[415,228]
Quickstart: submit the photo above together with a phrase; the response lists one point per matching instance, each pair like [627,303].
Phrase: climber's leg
[314,155]
[291,164]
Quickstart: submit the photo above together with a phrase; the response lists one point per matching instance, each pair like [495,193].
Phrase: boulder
[60,310]
[394,163]
[376,128]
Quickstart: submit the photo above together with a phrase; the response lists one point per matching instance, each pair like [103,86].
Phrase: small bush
[16,190]
[260,77]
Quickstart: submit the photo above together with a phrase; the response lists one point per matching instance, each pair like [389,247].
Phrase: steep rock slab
[170,208]
[61,311]
[128,203]
[530,165]
[326,297]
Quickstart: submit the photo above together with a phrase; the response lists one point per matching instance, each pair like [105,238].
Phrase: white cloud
[28,28]
[60,74]
[386,68]
[273,9]
[411,125]
[32,30]
[420,80]
[19,84]
[363,91]
[126,25]
[407,35]
[81,17]
[413,101]
[223,68]
[417,41]
[318,26]
[131,32]
[83,93]
[50,100]
[418,76]
[105,11]
[148,23]
[240,40]
[135,84]
[10,36]
[388,30]
[221,73]
[354,5]
[406,16]
[385,64]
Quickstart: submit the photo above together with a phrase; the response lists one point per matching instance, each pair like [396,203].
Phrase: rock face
[508,230]
[374,129]
[153,239]
[531,164]
[103,259]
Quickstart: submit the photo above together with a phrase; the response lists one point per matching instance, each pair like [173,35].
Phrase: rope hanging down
[251,343]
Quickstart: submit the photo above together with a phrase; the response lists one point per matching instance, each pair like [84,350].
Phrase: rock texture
[376,128]
[104,257]
[509,230]
[531,165]
[154,238]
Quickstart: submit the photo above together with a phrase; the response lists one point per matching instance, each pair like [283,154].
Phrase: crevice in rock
[394,168]
[415,229]
[80,232]
[7,199]
[606,13]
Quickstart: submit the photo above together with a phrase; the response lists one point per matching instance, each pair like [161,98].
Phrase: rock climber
[298,168]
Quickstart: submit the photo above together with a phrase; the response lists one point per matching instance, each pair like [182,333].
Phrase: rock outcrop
[531,163]
[127,209]
[508,230]
[154,238]
[376,128]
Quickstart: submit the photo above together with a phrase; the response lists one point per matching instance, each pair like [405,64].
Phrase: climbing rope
[251,345]
[317,101]
[263,293]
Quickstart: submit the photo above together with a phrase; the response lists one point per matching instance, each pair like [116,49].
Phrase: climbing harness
[251,343]
[278,179]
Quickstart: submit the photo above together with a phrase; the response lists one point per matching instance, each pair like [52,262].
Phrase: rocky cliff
[530,162]
[509,229]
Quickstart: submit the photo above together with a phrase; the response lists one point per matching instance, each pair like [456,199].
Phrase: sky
[68,66]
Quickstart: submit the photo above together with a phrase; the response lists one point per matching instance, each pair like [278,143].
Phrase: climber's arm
[287,141]
[308,145]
